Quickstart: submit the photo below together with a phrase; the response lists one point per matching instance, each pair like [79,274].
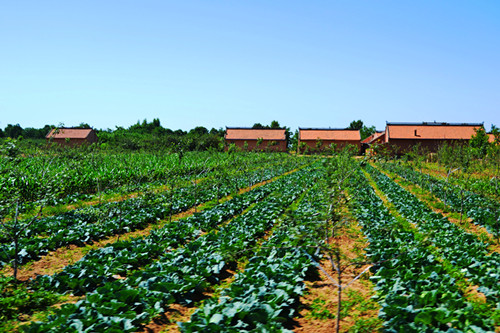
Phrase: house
[430,135]
[491,137]
[318,139]
[72,136]
[376,138]
[265,139]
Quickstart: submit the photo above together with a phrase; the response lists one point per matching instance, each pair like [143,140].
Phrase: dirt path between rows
[469,290]
[55,261]
[319,304]
[437,206]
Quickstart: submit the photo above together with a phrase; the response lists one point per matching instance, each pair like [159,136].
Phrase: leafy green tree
[198,131]
[366,131]
[275,124]
[479,143]
[257,126]
[83,125]
[13,131]
[356,125]
[294,140]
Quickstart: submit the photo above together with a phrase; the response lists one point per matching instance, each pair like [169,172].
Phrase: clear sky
[234,63]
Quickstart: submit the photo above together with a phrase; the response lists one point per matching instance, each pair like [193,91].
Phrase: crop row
[481,210]
[263,297]
[177,276]
[94,223]
[416,292]
[70,176]
[48,225]
[121,258]
[462,249]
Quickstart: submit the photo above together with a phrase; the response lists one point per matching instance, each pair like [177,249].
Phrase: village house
[430,135]
[262,139]
[376,138]
[319,139]
[71,136]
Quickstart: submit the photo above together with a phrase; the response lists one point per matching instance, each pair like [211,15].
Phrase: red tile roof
[71,133]
[431,131]
[238,133]
[329,134]
[373,137]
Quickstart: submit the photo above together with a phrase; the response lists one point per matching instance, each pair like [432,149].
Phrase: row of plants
[93,223]
[264,296]
[121,258]
[416,291]
[482,182]
[461,249]
[481,210]
[59,178]
[177,276]
[89,214]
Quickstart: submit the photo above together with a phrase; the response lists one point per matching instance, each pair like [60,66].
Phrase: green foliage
[416,290]
[319,311]
[16,299]
[366,131]
[181,274]
[479,143]
[9,149]
[355,125]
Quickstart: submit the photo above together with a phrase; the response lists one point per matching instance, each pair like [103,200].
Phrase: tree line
[153,136]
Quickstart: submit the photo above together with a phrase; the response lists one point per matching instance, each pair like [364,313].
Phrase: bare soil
[55,261]
[436,205]
[319,305]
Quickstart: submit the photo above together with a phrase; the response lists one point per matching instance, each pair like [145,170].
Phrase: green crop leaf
[216,318]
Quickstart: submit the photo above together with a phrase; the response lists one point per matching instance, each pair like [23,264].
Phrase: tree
[275,124]
[294,140]
[479,143]
[356,125]
[83,125]
[13,131]
[366,131]
[258,126]
[198,131]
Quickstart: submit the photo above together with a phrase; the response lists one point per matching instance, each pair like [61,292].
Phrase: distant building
[491,137]
[376,138]
[265,139]
[319,139]
[72,136]
[430,135]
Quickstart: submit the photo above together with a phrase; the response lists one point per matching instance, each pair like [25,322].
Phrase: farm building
[318,139]
[430,135]
[265,139]
[491,137]
[376,138]
[72,136]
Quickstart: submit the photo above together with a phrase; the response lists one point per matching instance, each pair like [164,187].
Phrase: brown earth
[469,290]
[167,322]
[55,261]
[433,202]
[320,303]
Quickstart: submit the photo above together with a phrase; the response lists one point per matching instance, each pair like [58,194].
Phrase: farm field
[240,242]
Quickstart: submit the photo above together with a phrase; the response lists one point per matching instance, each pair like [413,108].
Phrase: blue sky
[235,63]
